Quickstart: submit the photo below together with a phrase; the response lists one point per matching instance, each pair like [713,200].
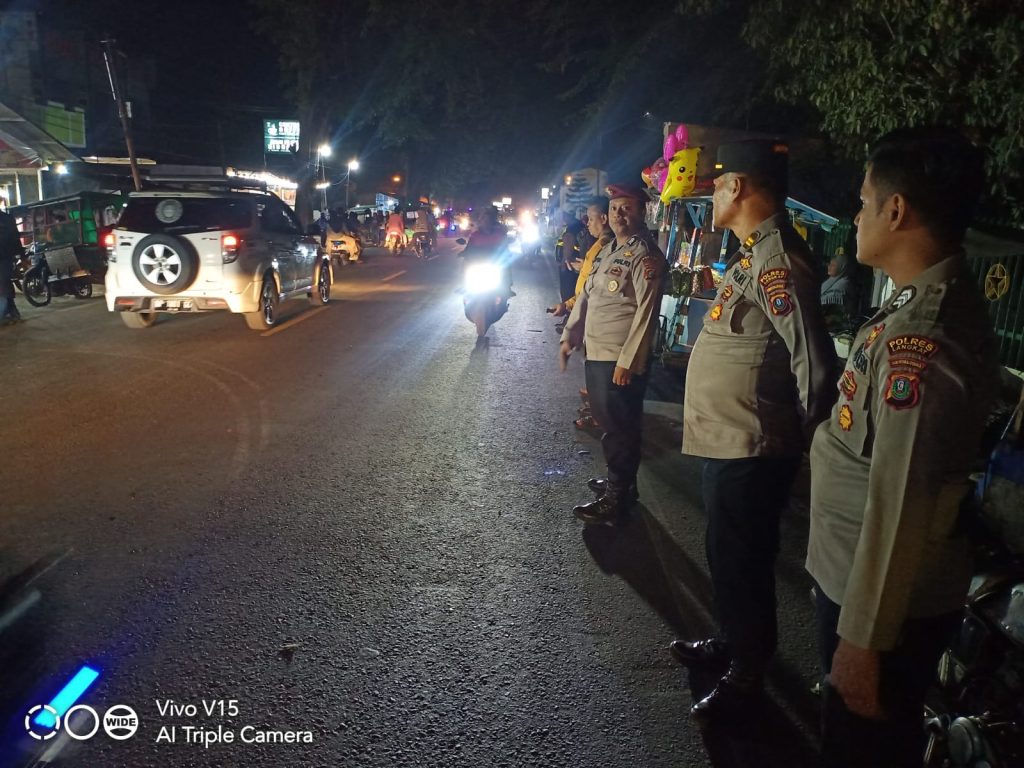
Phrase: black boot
[735,698]
[610,509]
[700,653]
[600,484]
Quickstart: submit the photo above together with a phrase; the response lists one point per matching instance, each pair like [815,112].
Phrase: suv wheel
[138,319]
[264,318]
[165,264]
[322,290]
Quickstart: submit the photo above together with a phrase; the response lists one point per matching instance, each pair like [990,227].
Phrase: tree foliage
[869,66]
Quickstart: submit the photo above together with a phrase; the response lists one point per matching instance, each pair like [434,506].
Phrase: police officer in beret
[616,318]
[761,377]
[890,467]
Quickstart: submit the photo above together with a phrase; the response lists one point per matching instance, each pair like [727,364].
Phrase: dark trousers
[744,499]
[620,411]
[566,282]
[907,671]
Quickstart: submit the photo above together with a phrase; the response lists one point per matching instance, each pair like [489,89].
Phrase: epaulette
[633,240]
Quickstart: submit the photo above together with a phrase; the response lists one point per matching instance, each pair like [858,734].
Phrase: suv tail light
[229,245]
[110,243]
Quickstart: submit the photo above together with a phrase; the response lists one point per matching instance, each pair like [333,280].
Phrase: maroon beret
[626,190]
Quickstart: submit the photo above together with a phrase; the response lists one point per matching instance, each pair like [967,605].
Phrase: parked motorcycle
[977,718]
[40,283]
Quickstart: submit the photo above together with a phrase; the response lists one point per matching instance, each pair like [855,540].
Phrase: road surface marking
[294,321]
[392,277]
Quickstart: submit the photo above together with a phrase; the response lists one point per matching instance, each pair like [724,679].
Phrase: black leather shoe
[700,652]
[735,699]
[607,510]
[600,484]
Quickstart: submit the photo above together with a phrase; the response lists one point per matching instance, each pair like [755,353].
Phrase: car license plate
[178,304]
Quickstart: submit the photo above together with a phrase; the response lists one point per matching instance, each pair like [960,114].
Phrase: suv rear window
[183,215]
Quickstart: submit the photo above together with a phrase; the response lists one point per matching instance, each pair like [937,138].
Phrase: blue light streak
[67,696]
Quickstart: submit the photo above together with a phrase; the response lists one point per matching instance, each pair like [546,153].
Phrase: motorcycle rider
[489,242]
[396,227]
[423,226]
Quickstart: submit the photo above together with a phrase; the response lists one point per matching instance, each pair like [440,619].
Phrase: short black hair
[939,172]
[775,187]
[601,203]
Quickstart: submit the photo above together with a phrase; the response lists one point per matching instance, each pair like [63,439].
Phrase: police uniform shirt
[616,314]
[764,364]
[889,468]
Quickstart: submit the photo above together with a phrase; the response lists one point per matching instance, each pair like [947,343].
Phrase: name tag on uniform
[739,277]
[623,262]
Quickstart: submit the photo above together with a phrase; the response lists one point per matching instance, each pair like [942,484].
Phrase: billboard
[280,136]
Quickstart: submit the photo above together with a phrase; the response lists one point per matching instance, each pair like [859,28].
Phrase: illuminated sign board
[280,136]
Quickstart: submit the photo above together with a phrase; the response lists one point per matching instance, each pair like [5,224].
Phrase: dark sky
[212,80]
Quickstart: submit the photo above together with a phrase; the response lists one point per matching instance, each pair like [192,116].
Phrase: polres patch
[774,279]
[902,390]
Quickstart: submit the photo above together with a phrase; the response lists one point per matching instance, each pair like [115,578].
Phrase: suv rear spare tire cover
[165,264]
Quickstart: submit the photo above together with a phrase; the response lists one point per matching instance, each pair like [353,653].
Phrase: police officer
[616,316]
[760,378]
[889,468]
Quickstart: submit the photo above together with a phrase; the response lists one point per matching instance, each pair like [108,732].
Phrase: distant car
[179,250]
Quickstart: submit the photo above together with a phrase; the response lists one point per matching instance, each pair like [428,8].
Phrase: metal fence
[1001,279]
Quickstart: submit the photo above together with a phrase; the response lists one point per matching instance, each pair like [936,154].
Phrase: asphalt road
[359,526]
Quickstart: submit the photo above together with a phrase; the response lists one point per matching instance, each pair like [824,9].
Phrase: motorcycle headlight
[530,233]
[482,278]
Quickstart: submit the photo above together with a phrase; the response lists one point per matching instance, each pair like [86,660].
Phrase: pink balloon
[682,137]
[670,147]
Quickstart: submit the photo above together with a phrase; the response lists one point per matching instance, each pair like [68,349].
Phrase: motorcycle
[977,717]
[485,292]
[40,283]
[421,244]
[343,247]
[395,243]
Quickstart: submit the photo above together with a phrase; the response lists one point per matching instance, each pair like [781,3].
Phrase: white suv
[196,251]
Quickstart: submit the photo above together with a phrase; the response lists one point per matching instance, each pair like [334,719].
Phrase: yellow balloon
[682,174]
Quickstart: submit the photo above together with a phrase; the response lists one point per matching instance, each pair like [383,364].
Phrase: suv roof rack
[199,178]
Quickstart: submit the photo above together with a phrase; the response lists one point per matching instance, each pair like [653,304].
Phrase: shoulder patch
[775,283]
[771,278]
[902,390]
[903,298]
[909,355]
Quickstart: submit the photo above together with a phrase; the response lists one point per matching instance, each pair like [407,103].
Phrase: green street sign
[280,136]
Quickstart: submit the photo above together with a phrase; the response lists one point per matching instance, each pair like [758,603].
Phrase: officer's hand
[855,677]
[621,376]
[559,310]
[576,265]
[564,351]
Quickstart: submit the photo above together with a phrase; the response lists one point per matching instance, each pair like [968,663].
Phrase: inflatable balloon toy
[682,166]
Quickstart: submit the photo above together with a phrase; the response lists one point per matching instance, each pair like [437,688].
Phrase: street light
[397,179]
[323,151]
[353,165]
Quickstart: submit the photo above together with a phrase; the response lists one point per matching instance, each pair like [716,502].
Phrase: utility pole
[115,89]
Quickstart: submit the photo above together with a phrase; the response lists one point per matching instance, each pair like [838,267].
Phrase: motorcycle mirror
[460,240]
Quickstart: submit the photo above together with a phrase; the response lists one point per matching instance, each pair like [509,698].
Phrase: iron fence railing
[1001,279]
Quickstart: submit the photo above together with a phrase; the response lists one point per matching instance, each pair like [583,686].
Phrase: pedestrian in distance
[889,468]
[10,250]
[615,318]
[760,378]
[597,225]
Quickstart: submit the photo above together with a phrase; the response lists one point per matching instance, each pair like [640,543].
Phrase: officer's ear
[896,211]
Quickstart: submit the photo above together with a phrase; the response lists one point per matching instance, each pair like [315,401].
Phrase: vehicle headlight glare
[482,278]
